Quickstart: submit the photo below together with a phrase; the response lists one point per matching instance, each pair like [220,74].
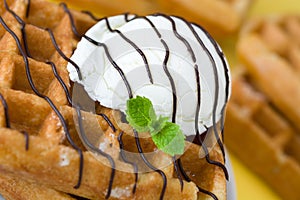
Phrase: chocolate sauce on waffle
[5,107]
[7,121]
[140,150]
[123,156]
[187,178]
[26,135]
[177,163]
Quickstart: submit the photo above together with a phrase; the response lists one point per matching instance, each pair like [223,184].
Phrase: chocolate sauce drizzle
[110,124]
[123,156]
[7,120]
[115,65]
[133,45]
[141,153]
[177,163]
[5,107]
[187,178]
[62,54]
[26,135]
[97,150]
[28,8]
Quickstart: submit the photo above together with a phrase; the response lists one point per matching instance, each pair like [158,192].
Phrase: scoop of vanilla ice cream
[148,57]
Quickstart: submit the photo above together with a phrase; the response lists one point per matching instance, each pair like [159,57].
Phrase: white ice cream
[104,83]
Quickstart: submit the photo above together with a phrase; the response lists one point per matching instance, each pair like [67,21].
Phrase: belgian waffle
[39,145]
[263,116]
[230,12]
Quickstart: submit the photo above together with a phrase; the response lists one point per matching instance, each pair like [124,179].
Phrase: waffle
[263,117]
[41,154]
[230,12]
[15,189]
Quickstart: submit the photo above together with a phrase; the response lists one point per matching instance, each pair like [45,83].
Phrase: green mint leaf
[158,125]
[166,136]
[140,113]
[170,139]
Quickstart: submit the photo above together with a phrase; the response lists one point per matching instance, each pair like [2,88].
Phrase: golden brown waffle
[40,150]
[263,116]
[16,189]
[230,13]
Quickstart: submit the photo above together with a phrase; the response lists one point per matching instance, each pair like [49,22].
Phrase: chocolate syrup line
[115,65]
[177,171]
[182,39]
[126,15]
[7,121]
[140,150]
[187,178]
[133,45]
[57,76]
[110,124]
[91,15]
[63,55]
[5,107]
[123,156]
[26,135]
[93,148]
[66,9]
[213,162]
[28,8]
[12,12]
[54,108]
[25,40]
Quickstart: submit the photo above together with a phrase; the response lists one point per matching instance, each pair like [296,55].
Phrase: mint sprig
[167,136]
